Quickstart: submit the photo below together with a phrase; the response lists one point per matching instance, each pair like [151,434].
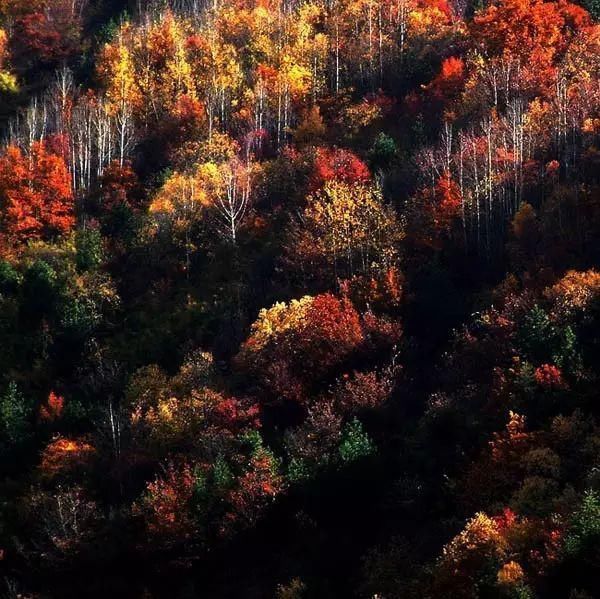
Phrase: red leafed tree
[447,85]
[332,331]
[362,390]
[254,490]
[53,408]
[188,117]
[36,197]
[292,346]
[448,201]
[340,165]
[119,186]
[47,31]
[549,377]
[166,504]
[442,207]
[233,416]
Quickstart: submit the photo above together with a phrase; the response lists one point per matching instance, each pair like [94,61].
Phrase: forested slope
[299,298]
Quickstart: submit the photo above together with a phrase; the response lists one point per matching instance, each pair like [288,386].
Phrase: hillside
[299,299]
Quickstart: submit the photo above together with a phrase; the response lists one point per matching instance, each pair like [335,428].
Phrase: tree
[584,527]
[65,457]
[116,69]
[36,197]
[313,444]
[166,505]
[88,245]
[534,33]
[15,413]
[346,230]
[230,197]
[63,520]
[340,165]
[220,192]
[8,82]
[362,390]
[119,186]
[53,408]
[256,487]
[383,152]
[178,206]
[47,32]
[355,443]
[446,86]
[311,128]
[471,560]
[293,345]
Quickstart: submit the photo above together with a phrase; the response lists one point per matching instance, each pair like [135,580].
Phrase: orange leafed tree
[53,408]
[441,209]
[534,33]
[36,197]
[448,83]
[63,456]
[525,27]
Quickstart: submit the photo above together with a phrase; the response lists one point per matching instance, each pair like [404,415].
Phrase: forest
[300,299]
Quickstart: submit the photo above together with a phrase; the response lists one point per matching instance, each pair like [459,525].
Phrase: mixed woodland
[300,299]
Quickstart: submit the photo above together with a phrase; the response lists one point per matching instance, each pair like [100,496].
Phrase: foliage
[35,193]
[15,416]
[585,524]
[355,443]
[349,228]
[300,299]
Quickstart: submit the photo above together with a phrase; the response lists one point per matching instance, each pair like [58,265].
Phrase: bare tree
[233,201]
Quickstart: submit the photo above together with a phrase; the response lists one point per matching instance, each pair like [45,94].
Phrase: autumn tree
[339,165]
[66,519]
[292,345]
[118,186]
[36,195]
[230,197]
[46,32]
[116,69]
[346,229]
[8,82]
